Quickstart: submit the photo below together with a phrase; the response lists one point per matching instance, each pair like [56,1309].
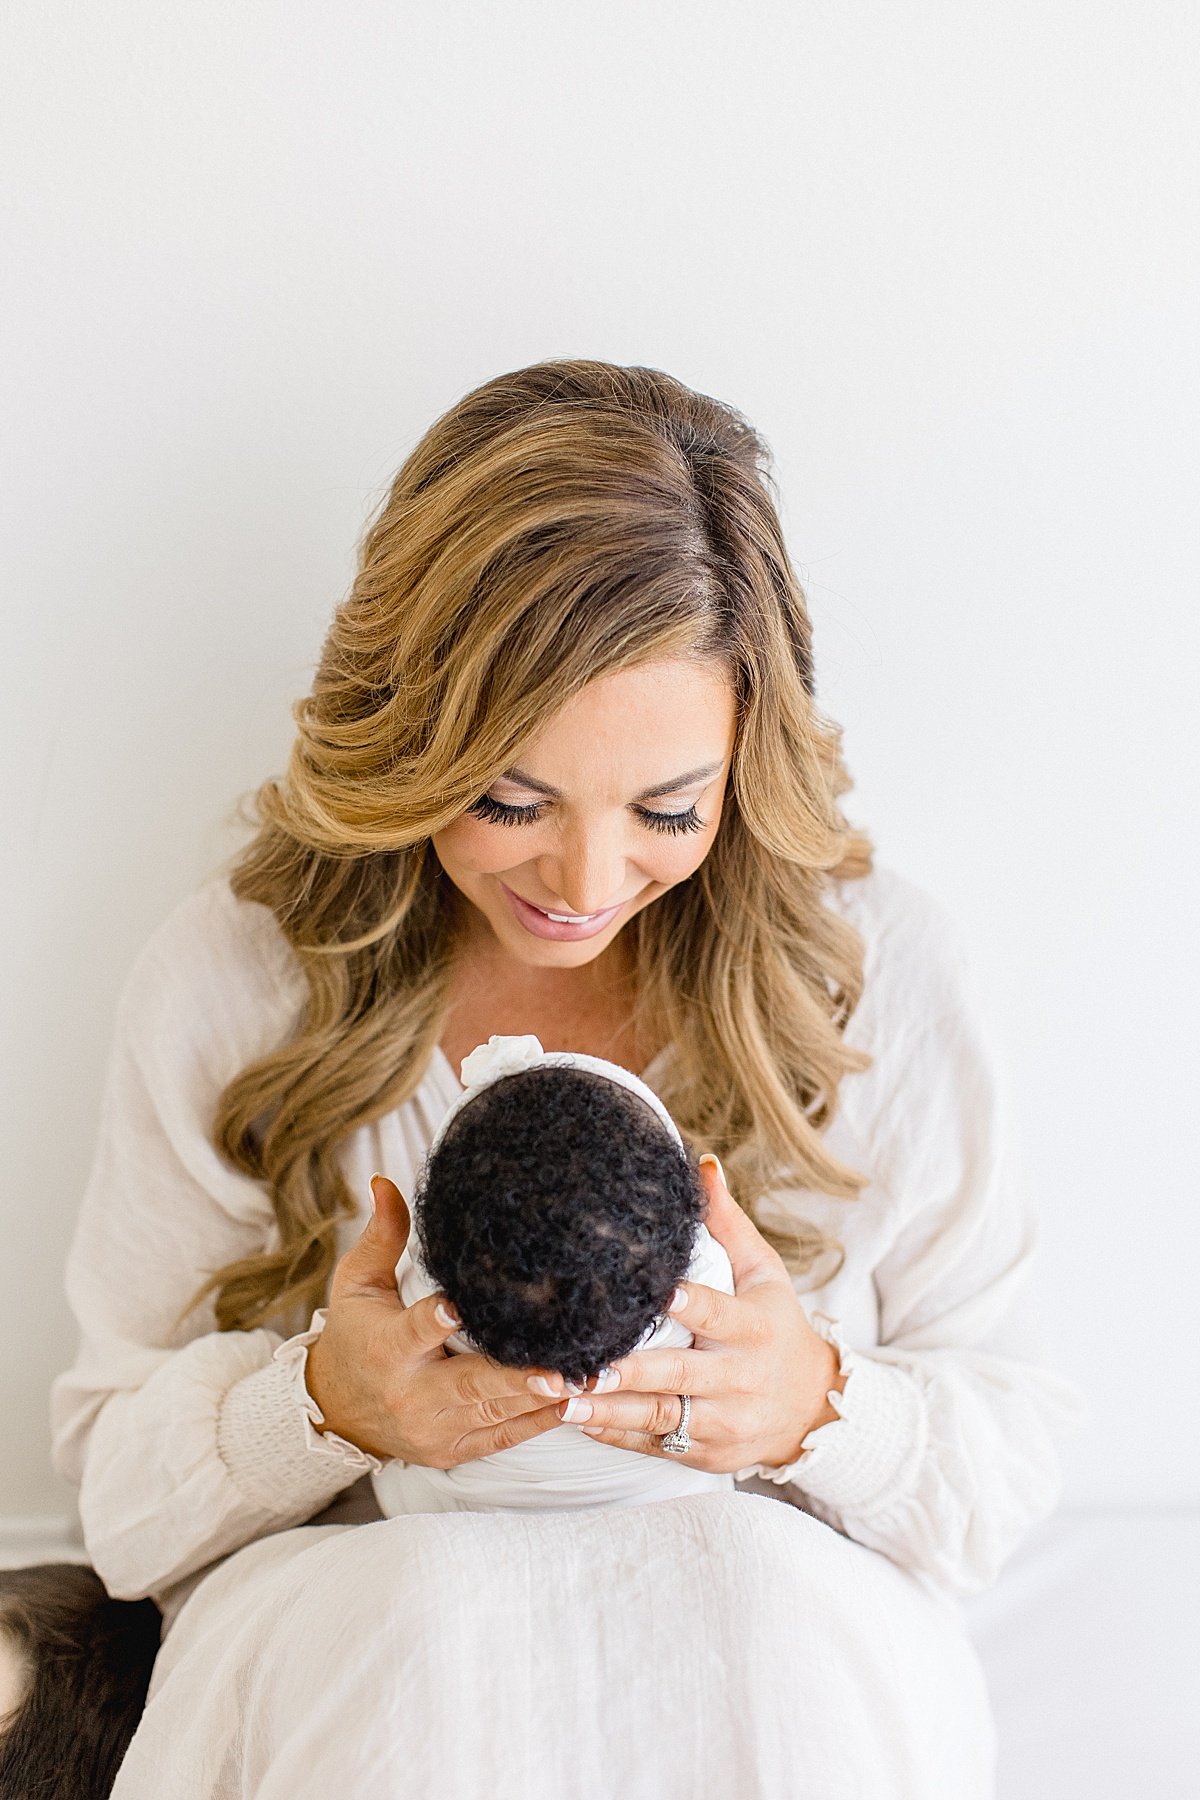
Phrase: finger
[490,1390]
[426,1324]
[510,1431]
[645,1442]
[369,1266]
[752,1258]
[651,1413]
[548,1384]
[709,1314]
[672,1372]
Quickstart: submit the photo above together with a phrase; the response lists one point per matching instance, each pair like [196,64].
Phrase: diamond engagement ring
[677,1442]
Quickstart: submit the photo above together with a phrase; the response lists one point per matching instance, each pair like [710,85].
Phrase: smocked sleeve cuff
[267,1441]
[870,1455]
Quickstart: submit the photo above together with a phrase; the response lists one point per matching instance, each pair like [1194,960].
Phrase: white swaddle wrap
[562,1467]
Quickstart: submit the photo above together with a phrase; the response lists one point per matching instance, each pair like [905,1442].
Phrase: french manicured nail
[606,1380]
[572,1387]
[576,1410]
[538,1384]
[446,1317]
[679,1300]
[371,1191]
[709,1157]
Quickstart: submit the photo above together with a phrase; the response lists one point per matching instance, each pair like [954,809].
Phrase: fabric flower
[501,1055]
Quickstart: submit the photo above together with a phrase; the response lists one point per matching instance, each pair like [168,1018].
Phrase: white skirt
[699,1648]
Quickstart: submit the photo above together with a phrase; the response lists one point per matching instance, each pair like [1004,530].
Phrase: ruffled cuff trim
[294,1357]
[869,1456]
[266,1434]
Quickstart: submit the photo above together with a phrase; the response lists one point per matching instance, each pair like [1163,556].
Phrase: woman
[561,771]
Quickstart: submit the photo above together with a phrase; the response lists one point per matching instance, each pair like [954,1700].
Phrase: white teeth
[570,918]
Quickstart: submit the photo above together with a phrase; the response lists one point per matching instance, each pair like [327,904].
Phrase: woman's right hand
[381,1377]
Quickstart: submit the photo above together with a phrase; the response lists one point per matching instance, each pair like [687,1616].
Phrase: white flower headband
[507,1055]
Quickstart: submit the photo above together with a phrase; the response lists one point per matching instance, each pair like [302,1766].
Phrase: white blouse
[186,1446]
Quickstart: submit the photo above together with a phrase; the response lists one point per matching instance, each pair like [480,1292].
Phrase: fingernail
[538,1384]
[709,1157]
[606,1380]
[576,1410]
[679,1300]
[572,1387]
[371,1191]
[446,1317]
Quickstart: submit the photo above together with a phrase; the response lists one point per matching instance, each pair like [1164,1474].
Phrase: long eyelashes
[497,813]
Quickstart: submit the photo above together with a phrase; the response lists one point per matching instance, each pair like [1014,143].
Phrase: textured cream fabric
[187,1447]
[716,1647]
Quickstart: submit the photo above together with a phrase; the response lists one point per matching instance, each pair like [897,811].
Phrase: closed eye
[497,813]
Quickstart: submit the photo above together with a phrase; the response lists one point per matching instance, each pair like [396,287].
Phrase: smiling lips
[568,918]
[567,926]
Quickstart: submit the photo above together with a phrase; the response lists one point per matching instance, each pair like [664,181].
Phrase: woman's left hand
[758,1373]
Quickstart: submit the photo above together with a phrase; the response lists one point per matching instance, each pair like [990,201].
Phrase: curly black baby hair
[557,1214]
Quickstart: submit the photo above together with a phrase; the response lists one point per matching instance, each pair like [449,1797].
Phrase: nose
[587,874]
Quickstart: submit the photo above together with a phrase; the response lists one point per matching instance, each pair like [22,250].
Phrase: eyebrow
[664,787]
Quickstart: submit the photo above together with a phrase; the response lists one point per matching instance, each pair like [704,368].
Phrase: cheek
[674,858]
[476,847]
[671,858]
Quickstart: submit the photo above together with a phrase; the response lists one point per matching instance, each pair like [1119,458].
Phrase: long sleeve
[185,1446]
[944,1453]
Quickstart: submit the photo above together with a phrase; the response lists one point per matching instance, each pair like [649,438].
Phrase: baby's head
[557,1210]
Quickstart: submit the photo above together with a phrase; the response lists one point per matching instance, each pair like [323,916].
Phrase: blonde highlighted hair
[559,523]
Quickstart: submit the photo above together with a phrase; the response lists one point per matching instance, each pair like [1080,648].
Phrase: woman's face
[593,818]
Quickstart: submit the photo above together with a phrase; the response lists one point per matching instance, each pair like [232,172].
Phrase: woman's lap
[722,1643]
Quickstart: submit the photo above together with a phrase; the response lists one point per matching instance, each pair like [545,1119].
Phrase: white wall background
[944,258]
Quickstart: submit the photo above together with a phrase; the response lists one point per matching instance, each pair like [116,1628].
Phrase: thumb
[753,1259]
[371,1262]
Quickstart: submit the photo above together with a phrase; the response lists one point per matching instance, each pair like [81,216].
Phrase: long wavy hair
[559,523]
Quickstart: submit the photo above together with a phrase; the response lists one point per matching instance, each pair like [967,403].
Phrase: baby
[557,1209]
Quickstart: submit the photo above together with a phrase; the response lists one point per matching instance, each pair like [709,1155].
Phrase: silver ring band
[677,1442]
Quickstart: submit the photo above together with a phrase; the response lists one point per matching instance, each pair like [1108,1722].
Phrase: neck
[605,975]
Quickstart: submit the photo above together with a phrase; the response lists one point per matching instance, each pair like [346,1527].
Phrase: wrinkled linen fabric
[195,1452]
[700,1648]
